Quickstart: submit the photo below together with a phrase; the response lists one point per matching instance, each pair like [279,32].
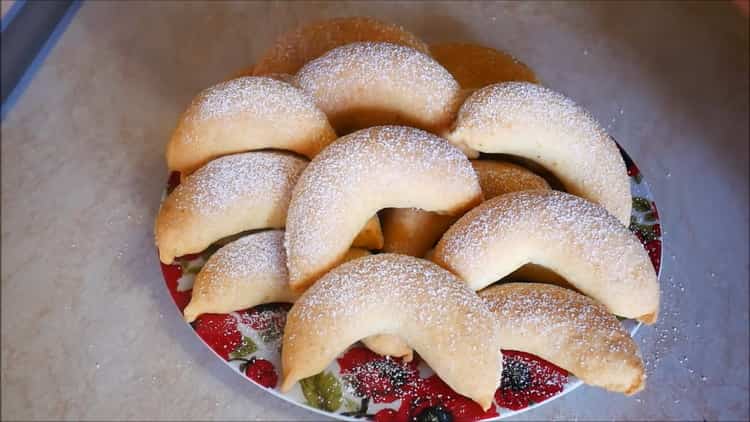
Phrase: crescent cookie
[367,84]
[536,123]
[433,311]
[283,77]
[570,330]
[248,71]
[413,232]
[371,235]
[389,345]
[501,177]
[229,195]
[248,272]
[361,173]
[297,47]
[475,66]
[247,114]
[571,236]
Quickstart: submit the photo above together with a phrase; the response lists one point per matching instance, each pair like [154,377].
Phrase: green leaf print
[193,270]
[646,231]
[351,405]
[247,347]
[322,391]
[641,204]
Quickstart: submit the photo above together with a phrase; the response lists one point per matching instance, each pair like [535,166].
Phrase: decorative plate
[360,385]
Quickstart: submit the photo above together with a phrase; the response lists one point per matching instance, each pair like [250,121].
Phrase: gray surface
[88,331]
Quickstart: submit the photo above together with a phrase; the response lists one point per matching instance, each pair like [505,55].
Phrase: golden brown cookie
[295,48]
[361,173]
[575,238]
[227,196]
[475,66]
[570,330]
[533,122]
[247,114]
[433,311]
[368,84]
[413,232]
[248,272]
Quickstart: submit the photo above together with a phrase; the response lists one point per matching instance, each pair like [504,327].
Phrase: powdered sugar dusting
[263,96]
[378,162]
[572,325]
[380,75]
[432,298]
[267,177]
[560,127]
[258,253]
[616,266]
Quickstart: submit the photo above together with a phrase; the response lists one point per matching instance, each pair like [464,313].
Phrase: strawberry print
[385,415]
[654,210]
[528,379]
[219,332]
[633,170]
[173,182]
[433,400]
[260,371]
[381,379]
[654,252]
[172,274]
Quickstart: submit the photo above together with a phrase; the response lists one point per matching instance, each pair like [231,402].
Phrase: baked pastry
[568,329]
[475,66]
[367,84]
[501,177]
[534,122]
[248,272]
[389,345]
[540,274]
[361,173]
[297,47]
[229,195]
[283,77]
[440,317]
[569,235]
[247,114]
[371,235]
[413,232]
[248,71]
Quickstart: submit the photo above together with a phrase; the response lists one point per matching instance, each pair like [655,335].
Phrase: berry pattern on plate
[361,385]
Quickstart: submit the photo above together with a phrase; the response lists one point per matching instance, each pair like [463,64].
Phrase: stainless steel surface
[89,331]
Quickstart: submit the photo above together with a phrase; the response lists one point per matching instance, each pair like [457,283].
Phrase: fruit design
[528,379]
[172,274]
[219,332]
[261,371]
[381,379]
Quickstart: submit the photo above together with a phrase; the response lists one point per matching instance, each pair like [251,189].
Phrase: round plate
[362,385]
